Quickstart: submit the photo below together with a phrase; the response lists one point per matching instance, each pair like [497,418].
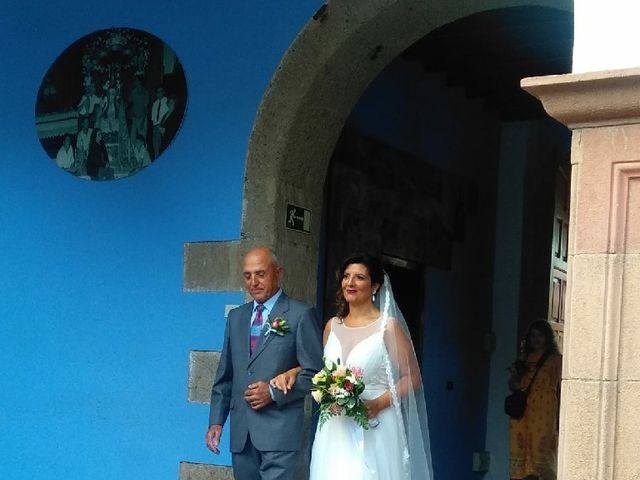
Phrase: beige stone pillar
[600,406]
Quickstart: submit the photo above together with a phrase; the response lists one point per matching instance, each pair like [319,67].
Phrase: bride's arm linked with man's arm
[402,356]
[286,380]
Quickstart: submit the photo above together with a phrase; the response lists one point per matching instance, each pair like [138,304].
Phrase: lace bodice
[361,347]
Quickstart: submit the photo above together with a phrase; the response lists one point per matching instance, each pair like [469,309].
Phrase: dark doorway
[407,279]
[386,202]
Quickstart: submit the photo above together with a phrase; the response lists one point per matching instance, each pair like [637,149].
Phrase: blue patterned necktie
[256,328]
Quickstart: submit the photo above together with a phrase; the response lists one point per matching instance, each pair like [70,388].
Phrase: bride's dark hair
[376,272]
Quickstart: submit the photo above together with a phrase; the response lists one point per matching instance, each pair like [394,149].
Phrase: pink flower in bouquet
[335,409]
[357,372]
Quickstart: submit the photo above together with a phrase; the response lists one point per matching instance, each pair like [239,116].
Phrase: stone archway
[319,80]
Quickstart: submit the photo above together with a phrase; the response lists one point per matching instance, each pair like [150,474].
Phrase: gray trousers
[253,464]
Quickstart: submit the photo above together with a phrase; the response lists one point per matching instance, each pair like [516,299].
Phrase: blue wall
[516,140]
[95,329]
[421,115]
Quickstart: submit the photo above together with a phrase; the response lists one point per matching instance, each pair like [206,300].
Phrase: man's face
[261,275]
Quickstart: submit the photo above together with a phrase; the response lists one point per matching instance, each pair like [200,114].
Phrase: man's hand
[258,395]
[212,438]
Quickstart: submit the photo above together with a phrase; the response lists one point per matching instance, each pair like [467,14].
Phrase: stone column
[600,406]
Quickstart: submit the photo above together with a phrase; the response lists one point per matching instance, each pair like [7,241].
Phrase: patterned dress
[534,437]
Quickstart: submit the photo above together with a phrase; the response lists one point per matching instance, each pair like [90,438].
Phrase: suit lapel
[279,310]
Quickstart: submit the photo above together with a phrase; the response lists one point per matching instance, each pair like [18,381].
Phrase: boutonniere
[278,326]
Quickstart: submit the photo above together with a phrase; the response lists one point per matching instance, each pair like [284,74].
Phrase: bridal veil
[407,393]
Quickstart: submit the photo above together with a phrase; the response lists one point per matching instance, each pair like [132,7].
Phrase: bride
[372,335]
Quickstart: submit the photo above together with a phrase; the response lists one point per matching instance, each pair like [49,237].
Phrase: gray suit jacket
[278,426]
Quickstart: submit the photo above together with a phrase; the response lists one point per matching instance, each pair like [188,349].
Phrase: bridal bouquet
[337,390]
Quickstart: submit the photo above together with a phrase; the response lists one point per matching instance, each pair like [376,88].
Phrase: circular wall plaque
[111,104]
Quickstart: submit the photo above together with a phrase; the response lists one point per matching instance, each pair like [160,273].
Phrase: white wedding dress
[344,450]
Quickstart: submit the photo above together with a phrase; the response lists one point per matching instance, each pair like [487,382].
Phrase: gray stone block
[213,266]
[202,368]
[201,471]
[217,266]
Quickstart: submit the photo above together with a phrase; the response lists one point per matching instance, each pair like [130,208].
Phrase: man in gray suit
[266,424]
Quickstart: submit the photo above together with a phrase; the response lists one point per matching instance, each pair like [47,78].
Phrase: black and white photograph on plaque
[111,103]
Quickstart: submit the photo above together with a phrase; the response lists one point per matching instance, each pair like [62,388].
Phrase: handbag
[516,404]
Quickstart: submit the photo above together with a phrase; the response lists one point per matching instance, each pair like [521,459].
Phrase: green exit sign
[298,218]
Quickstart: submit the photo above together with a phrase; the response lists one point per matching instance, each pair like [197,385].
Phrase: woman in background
[534,437]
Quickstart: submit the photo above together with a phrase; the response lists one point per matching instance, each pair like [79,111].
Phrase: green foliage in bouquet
[337,390]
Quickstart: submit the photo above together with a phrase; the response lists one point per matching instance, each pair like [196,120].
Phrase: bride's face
[356,284]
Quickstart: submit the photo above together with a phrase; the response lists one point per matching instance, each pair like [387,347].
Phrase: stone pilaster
[599,424]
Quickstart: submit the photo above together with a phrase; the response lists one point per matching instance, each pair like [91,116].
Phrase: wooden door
[559,256]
